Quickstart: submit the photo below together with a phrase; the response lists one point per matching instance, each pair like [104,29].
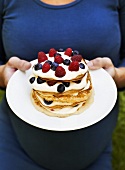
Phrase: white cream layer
[46,88]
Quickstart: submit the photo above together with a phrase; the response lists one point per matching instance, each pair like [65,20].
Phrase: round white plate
[18,97]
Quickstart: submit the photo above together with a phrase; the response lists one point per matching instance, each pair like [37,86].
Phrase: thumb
[99,62]
[16,63]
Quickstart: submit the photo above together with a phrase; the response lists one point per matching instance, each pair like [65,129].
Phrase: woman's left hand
[104,63]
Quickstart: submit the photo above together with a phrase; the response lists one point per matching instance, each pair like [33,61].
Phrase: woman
[95,28]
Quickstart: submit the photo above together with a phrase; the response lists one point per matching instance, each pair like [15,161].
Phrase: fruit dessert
[61,83]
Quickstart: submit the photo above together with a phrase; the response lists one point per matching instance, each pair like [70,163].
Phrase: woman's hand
[118,74]
[104,63]
[13,64]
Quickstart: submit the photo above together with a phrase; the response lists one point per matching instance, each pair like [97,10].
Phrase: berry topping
[61,88]
[48,61]
[54,66]
[38,66]
[46,67]
[58,59]
[60,50]
[81,65]
[74,66]
[60,71]
[52,51]
[57,54]
[32,79]
[76,58]
[41,57]
[67,84]
[66,62]
[51,83]
[75,52]
[68,52]
[47,102]
[40,81]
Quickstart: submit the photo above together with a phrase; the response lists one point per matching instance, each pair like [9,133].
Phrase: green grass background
[118,136]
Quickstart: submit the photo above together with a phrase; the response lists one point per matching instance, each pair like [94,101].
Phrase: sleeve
[2,53]
[122,27]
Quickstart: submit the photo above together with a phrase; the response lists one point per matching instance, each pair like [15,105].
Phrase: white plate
[18,97]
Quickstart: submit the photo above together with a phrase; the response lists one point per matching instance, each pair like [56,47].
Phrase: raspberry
[52,51]
[76,58]
[42,57]
[51,83]
[46,67]
[60,71]
[58,59]
[74,66]
[68,52]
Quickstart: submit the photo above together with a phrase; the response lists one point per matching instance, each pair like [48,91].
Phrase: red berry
[68,52]
[74,66]
[42,57]
[76,58]
[60,71]
[58,59]
[45,67]
[51,83]
[52,51]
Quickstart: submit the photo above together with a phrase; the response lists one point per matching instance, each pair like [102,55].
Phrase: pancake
[61,83]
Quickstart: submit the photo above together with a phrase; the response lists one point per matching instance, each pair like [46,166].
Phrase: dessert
[61,83]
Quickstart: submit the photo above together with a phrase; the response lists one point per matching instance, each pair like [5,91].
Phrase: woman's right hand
[7,70]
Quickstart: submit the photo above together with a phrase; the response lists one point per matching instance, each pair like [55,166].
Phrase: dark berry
[47,102]
[81,65]
[61,88]
[38,66]
[61,50]
[57,54]
[48,61]
[54,65]
[32,79]
[51,83]
[60,71]
[66,62]
[75,52]
[40,81]
[67,84]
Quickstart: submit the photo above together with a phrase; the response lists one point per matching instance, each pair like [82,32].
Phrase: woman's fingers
[99,62]
[16,63]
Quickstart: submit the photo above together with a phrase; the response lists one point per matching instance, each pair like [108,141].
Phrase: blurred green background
[118,136]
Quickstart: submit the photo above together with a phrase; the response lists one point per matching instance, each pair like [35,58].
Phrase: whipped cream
[73,86]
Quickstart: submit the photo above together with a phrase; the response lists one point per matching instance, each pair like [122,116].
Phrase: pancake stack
[61,83]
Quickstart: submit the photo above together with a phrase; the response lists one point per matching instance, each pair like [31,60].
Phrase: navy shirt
[94,27]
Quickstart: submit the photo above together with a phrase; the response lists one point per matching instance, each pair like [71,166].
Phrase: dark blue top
[94,27]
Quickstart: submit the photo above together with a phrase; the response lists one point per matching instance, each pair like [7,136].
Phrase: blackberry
[38,66]
[54,65]
[61,88]
[66,62]
[31,80]
[82,66]
[75,52]
[47,102]
[40,81]
[48,61]
[67,84]
[61,50]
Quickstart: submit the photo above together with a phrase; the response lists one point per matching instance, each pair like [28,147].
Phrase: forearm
[2,85]
[120,77]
